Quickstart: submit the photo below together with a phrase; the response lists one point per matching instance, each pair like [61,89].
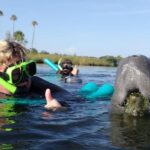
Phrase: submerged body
[72,79]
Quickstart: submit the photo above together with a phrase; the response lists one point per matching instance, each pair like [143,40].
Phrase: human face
[19,73]
[67,68]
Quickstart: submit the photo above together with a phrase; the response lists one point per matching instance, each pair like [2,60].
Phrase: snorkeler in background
[68,69]
[16,73]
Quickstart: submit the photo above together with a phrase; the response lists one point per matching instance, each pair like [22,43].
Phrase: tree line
[19,36]
[107,61]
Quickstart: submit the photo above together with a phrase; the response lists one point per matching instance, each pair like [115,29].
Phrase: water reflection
[130,132]
[6,146]
[9,109]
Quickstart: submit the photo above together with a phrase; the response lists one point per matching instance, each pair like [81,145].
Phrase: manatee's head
[132,86]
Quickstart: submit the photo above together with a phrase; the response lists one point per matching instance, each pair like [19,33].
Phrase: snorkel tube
[59,62]
[52,65]
[8,86]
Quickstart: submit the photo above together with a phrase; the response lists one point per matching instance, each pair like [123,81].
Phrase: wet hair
[11,50]
[67,61]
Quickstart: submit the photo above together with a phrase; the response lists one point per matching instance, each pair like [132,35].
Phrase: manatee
[133,75]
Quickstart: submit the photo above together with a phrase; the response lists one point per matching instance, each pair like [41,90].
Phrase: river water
[86,125]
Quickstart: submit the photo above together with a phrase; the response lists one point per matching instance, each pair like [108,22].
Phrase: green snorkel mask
[15,74]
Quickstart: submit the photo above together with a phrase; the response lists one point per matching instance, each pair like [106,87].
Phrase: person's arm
[45,88]
[39,85]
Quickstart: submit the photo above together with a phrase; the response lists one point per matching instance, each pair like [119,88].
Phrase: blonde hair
[11,50]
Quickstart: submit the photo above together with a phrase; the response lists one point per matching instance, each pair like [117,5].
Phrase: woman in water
[16,75]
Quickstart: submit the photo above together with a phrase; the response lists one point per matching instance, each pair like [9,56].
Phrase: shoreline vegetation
[107,61]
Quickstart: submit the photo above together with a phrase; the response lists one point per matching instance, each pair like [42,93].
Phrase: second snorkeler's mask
[16,73]
[66,69]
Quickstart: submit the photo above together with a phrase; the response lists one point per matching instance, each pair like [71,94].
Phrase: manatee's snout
[133,76]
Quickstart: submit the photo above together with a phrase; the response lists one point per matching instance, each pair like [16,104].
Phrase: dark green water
[86,125]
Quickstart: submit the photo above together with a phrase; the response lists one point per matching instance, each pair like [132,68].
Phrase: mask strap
[8,86]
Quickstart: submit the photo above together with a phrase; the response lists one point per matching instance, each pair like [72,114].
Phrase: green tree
[13,18]
[44,52]
[33,50]
[19,36]
[34,23]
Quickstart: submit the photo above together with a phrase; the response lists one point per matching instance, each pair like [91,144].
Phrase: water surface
[86,125]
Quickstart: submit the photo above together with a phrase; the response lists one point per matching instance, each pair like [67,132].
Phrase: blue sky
[82,27]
